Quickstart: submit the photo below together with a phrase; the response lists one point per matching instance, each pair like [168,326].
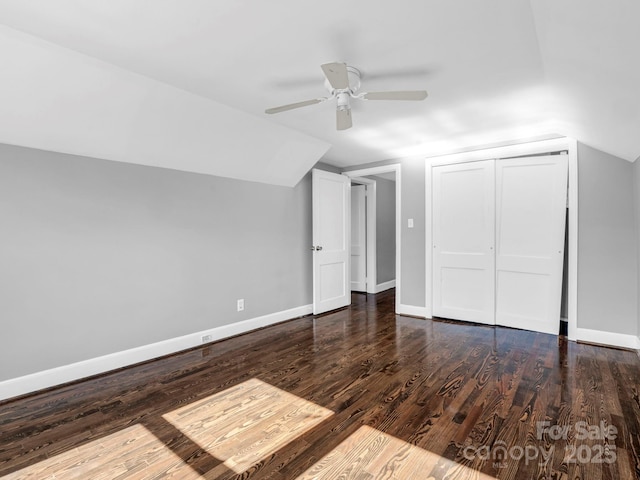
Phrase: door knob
[318,248]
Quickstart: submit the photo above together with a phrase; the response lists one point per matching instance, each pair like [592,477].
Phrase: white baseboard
[412,311]
[381,287]
[608,338]
[94,366]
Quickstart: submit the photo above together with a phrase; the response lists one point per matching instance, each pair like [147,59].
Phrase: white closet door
[530,222]
[463,239]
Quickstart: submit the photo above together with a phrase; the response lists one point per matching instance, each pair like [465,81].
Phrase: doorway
[373,236]
[382,246]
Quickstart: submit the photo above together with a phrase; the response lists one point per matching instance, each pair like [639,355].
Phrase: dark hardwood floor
[359,393]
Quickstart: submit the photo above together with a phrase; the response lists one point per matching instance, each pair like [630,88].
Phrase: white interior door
[463,240]
[358,238]
[531,196]
[331,245]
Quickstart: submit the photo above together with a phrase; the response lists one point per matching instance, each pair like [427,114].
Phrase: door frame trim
[398,171]
[522,149]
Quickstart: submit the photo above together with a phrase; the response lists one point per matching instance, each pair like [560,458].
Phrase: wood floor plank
[359,392]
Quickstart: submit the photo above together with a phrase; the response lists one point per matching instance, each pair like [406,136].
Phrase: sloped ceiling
[184,84]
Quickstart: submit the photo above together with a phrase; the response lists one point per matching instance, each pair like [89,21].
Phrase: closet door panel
[530,221]
[463,239]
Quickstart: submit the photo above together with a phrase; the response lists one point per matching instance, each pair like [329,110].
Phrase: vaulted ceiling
[184,84]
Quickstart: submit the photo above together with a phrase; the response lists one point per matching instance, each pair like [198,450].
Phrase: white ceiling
[497,71]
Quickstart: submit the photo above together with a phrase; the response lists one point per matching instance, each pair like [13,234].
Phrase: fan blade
[343,119]
[291,106]
[401,95]
[336,74]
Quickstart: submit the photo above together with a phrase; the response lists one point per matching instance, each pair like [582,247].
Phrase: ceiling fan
[342,82]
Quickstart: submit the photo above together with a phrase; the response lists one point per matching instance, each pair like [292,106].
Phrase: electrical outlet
[241,304]
[206,338]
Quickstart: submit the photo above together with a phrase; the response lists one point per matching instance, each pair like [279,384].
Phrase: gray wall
[413,239]
[98,257]
[636,192]
[564,303]
[607,247]
[385,230]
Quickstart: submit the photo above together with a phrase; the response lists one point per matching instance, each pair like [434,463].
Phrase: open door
[331,241]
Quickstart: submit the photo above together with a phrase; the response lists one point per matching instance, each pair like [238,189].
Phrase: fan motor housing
[343,100]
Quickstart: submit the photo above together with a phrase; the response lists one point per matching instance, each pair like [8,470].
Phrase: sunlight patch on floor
[130,453]
[240,427]
[246,423]
[369,453]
